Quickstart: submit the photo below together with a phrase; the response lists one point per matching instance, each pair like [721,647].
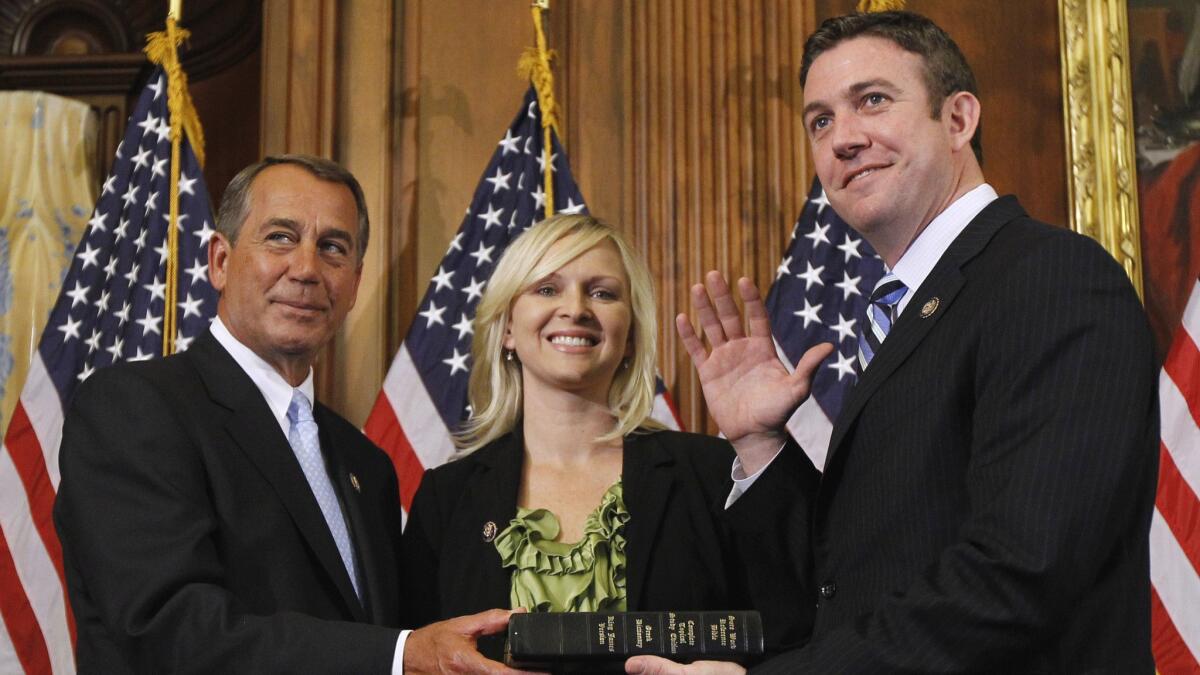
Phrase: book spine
[598,636]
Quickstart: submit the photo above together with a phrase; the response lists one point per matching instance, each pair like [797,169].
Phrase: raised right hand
[749,391]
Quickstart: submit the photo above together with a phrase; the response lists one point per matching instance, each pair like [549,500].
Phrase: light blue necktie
[881,313]
[302,434]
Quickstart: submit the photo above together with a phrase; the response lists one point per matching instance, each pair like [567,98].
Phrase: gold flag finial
[868,6]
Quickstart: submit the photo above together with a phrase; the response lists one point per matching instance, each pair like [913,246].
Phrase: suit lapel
[252,428]
[496,488]
[647,482]
[943,283]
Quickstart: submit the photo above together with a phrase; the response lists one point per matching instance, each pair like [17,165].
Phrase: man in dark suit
[986,500]
[214,519]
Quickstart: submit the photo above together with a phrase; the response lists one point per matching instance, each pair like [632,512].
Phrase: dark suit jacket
[986,500]
[680,555]
[192,542]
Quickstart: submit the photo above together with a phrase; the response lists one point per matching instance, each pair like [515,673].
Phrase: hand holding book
[657,665]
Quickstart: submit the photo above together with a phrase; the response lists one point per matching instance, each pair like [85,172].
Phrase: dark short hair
[235,203]
[946,70]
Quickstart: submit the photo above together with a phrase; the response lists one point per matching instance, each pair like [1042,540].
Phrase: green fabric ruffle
[550,576]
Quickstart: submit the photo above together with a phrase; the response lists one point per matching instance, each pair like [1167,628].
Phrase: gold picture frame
[1099,128]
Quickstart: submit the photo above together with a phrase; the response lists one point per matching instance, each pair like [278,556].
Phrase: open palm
[749,391]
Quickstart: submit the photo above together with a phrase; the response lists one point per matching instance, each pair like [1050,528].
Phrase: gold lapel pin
[354,483]
[930,307]
[489,531]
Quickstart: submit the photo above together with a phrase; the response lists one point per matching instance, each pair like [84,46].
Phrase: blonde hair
[495,390]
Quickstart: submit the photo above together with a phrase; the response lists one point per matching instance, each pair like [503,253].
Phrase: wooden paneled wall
[710,171]
[326,90]
[681,123]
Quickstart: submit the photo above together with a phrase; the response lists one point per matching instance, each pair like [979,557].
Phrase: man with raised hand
[986,499]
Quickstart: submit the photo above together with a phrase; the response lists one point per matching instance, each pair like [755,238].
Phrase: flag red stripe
[666,396]
[1179,507]
[384,429]
[26,452]
[1183,365]
[1171,654]
[23,628]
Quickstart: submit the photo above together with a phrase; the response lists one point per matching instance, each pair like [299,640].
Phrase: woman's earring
[508,355]
[625,364]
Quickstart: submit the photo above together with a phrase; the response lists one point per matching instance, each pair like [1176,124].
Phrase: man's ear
[961,112]
[219,249]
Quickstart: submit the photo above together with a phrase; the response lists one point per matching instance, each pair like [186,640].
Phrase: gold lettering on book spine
[1098,117]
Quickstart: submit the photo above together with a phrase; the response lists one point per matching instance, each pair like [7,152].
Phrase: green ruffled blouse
[550,576]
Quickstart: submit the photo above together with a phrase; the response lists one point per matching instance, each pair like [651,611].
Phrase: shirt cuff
[742,482]
[398,659]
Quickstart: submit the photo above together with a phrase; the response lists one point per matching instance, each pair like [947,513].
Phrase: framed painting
[1131,91]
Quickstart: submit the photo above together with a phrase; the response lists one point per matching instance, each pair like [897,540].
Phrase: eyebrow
[291,224]
[854,90]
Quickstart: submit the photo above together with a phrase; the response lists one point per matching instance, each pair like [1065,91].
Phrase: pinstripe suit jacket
[986,500]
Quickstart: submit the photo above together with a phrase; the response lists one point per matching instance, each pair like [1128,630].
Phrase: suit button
[828,590]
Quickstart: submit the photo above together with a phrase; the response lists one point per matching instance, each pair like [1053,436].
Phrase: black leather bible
[600,641]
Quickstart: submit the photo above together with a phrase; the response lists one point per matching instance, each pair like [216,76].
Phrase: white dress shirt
[278,394]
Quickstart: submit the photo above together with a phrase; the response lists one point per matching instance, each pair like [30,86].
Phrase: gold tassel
[162,49]
[534,65]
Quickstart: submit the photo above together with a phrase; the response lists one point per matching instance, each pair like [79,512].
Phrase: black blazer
[986,500]
[192,542]
[680,554]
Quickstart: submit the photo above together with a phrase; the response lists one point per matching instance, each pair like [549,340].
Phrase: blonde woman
[566,495]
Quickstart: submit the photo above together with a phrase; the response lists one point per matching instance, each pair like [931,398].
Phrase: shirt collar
[920,258]
[275,389]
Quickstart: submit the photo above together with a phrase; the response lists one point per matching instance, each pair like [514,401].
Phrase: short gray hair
[235,203]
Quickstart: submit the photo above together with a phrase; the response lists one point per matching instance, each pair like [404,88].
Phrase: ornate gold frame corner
[1099,127]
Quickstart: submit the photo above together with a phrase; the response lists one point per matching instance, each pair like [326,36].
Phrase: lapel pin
[354,484]
[489,531]
[930,307]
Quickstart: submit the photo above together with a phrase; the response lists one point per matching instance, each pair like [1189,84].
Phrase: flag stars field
[810,307]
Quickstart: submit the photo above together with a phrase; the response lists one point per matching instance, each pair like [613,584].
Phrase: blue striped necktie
[881,313]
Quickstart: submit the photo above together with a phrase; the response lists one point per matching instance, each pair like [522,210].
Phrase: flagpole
[174,104]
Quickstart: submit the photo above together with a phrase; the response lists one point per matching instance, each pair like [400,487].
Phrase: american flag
[1175,525]
[424,396]
[820,295]
[110,310]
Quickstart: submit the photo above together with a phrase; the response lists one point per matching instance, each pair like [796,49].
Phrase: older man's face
[288,282]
